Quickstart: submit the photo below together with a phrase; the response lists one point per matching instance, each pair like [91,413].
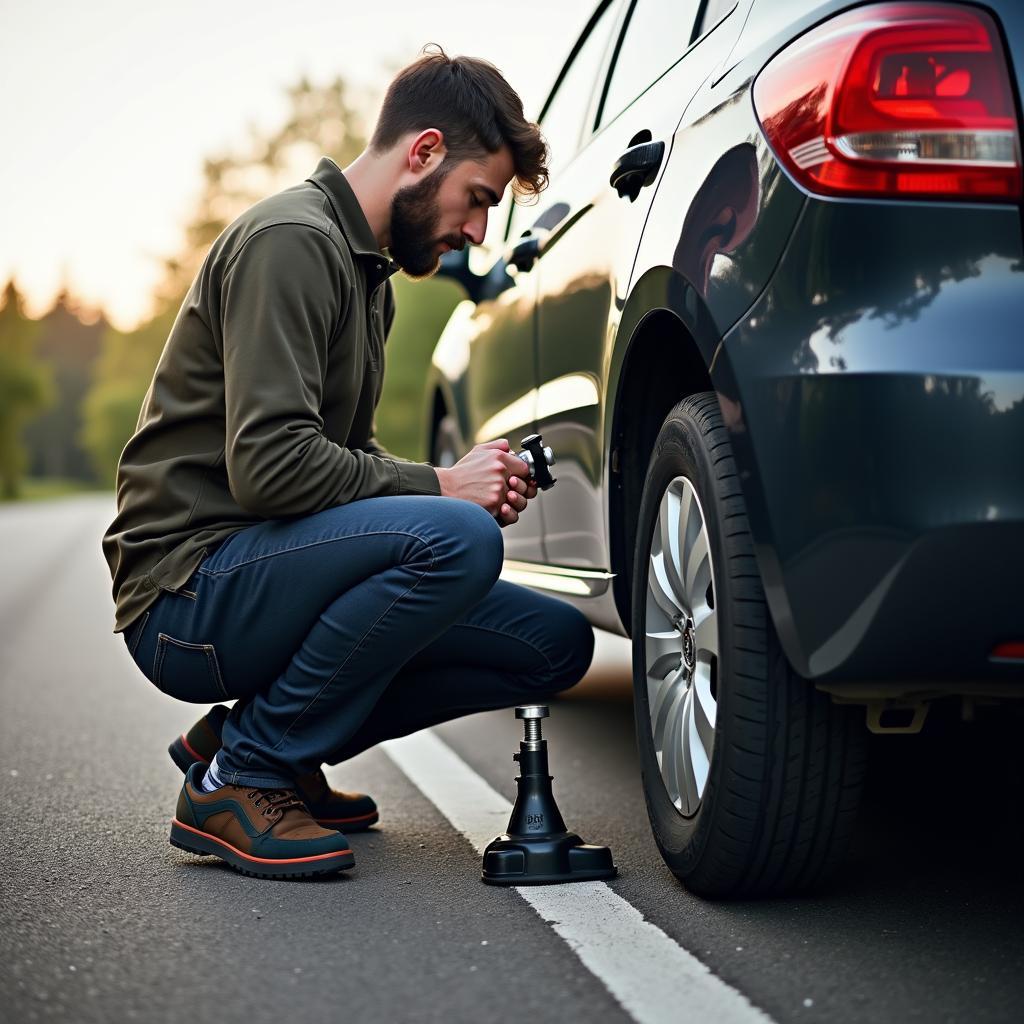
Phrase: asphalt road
[101,920]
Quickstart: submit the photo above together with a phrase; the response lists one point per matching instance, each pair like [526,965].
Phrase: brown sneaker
[332,808]
[267,833]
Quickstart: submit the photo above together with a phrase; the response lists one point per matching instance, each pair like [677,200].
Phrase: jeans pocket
[187,671]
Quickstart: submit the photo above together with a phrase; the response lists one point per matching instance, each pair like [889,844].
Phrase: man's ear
[426,151]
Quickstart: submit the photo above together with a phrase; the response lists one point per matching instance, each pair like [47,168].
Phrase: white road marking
[652,976]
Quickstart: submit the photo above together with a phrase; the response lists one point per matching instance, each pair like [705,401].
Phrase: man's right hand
[482,477]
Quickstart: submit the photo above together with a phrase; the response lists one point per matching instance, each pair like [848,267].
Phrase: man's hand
[491,477]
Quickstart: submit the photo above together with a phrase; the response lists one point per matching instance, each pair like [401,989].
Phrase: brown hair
[470,102]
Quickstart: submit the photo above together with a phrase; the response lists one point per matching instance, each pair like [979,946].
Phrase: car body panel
[867,357]
[880,401]
[584,284]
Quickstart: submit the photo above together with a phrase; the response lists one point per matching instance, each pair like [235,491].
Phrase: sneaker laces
[277,800]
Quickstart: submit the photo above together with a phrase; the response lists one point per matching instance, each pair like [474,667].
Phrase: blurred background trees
[26,387]
[71,385]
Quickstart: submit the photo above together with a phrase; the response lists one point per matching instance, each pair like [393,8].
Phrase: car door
[584,268]
[501,391]
[497,335]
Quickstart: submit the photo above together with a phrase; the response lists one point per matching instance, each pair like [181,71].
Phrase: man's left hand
[520,492]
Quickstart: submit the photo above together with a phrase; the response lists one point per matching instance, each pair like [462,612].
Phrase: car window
[714,12]
[562,119]
[657,35]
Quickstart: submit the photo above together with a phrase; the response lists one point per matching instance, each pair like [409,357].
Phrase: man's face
[446,210]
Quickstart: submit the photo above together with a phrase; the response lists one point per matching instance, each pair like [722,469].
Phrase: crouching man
[267,550]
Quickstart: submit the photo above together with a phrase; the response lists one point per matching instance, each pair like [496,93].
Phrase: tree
[321,121]
[68,341]
[26,387]
[110,410]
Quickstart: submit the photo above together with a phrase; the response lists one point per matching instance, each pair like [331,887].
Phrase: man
[267,550]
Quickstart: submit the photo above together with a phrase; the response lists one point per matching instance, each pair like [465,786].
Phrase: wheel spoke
[687,785]
[672,746]
[662,700]
[705,635]
[663,652]
[705,709]
[668,527]
[691,523]
[698,570]
[693,760]
[659,587]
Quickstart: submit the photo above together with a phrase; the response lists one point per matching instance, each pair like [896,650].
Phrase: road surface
[101,920]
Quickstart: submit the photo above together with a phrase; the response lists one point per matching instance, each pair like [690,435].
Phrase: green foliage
[68,341]
[26,387]
[321,121]
[47,488]
[110,411]
[422,309]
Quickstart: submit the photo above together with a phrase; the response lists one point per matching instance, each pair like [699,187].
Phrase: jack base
[545,860]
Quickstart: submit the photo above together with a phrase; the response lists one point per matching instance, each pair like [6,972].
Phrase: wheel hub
[689,646]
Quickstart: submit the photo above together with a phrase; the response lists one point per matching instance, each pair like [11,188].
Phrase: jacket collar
[328,177]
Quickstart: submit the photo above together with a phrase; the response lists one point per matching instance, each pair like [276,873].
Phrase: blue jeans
[354,625]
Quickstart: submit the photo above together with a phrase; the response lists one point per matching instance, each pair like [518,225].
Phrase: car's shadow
[942,822]
[925,912]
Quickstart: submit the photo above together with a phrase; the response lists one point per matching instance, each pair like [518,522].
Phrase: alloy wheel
[681,646]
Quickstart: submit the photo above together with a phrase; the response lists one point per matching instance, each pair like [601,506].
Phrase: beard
[414,219]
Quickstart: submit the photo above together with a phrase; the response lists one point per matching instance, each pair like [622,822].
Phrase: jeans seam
[313,544]
[211,657]
[356,648]
[257,781]
[138,634]
[158,663]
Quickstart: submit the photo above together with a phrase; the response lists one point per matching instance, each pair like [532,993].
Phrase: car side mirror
[455,265]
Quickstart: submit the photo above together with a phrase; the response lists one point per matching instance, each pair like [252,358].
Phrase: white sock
[212,779]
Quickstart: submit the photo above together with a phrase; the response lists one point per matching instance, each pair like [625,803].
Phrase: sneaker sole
[184,757]
[191,840]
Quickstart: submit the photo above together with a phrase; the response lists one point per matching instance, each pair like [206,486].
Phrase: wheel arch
[667,343]
[441,399]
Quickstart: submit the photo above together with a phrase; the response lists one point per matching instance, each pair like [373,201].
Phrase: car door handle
[527,250]
[636,169]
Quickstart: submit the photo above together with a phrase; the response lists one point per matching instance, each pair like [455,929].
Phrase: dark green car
[768,315]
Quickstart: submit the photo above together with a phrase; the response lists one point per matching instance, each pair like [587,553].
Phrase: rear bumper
[875,395]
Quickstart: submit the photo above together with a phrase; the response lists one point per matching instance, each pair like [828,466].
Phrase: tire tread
[781,809]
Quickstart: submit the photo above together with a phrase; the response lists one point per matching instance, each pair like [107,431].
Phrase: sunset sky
[109,108]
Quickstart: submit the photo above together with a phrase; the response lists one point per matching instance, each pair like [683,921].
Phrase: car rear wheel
[752,777]
[444,449]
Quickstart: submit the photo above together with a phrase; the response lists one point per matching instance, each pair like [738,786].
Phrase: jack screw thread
[532,726]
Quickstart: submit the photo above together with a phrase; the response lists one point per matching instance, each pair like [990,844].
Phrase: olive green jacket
[261,405]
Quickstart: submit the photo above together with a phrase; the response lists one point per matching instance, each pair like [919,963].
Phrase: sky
[107,110]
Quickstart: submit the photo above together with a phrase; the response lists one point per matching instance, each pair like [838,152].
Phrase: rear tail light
[902,99]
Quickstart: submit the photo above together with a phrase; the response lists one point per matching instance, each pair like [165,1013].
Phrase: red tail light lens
[895,100]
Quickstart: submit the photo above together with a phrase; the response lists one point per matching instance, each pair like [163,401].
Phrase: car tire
[773,807]
[444,446]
